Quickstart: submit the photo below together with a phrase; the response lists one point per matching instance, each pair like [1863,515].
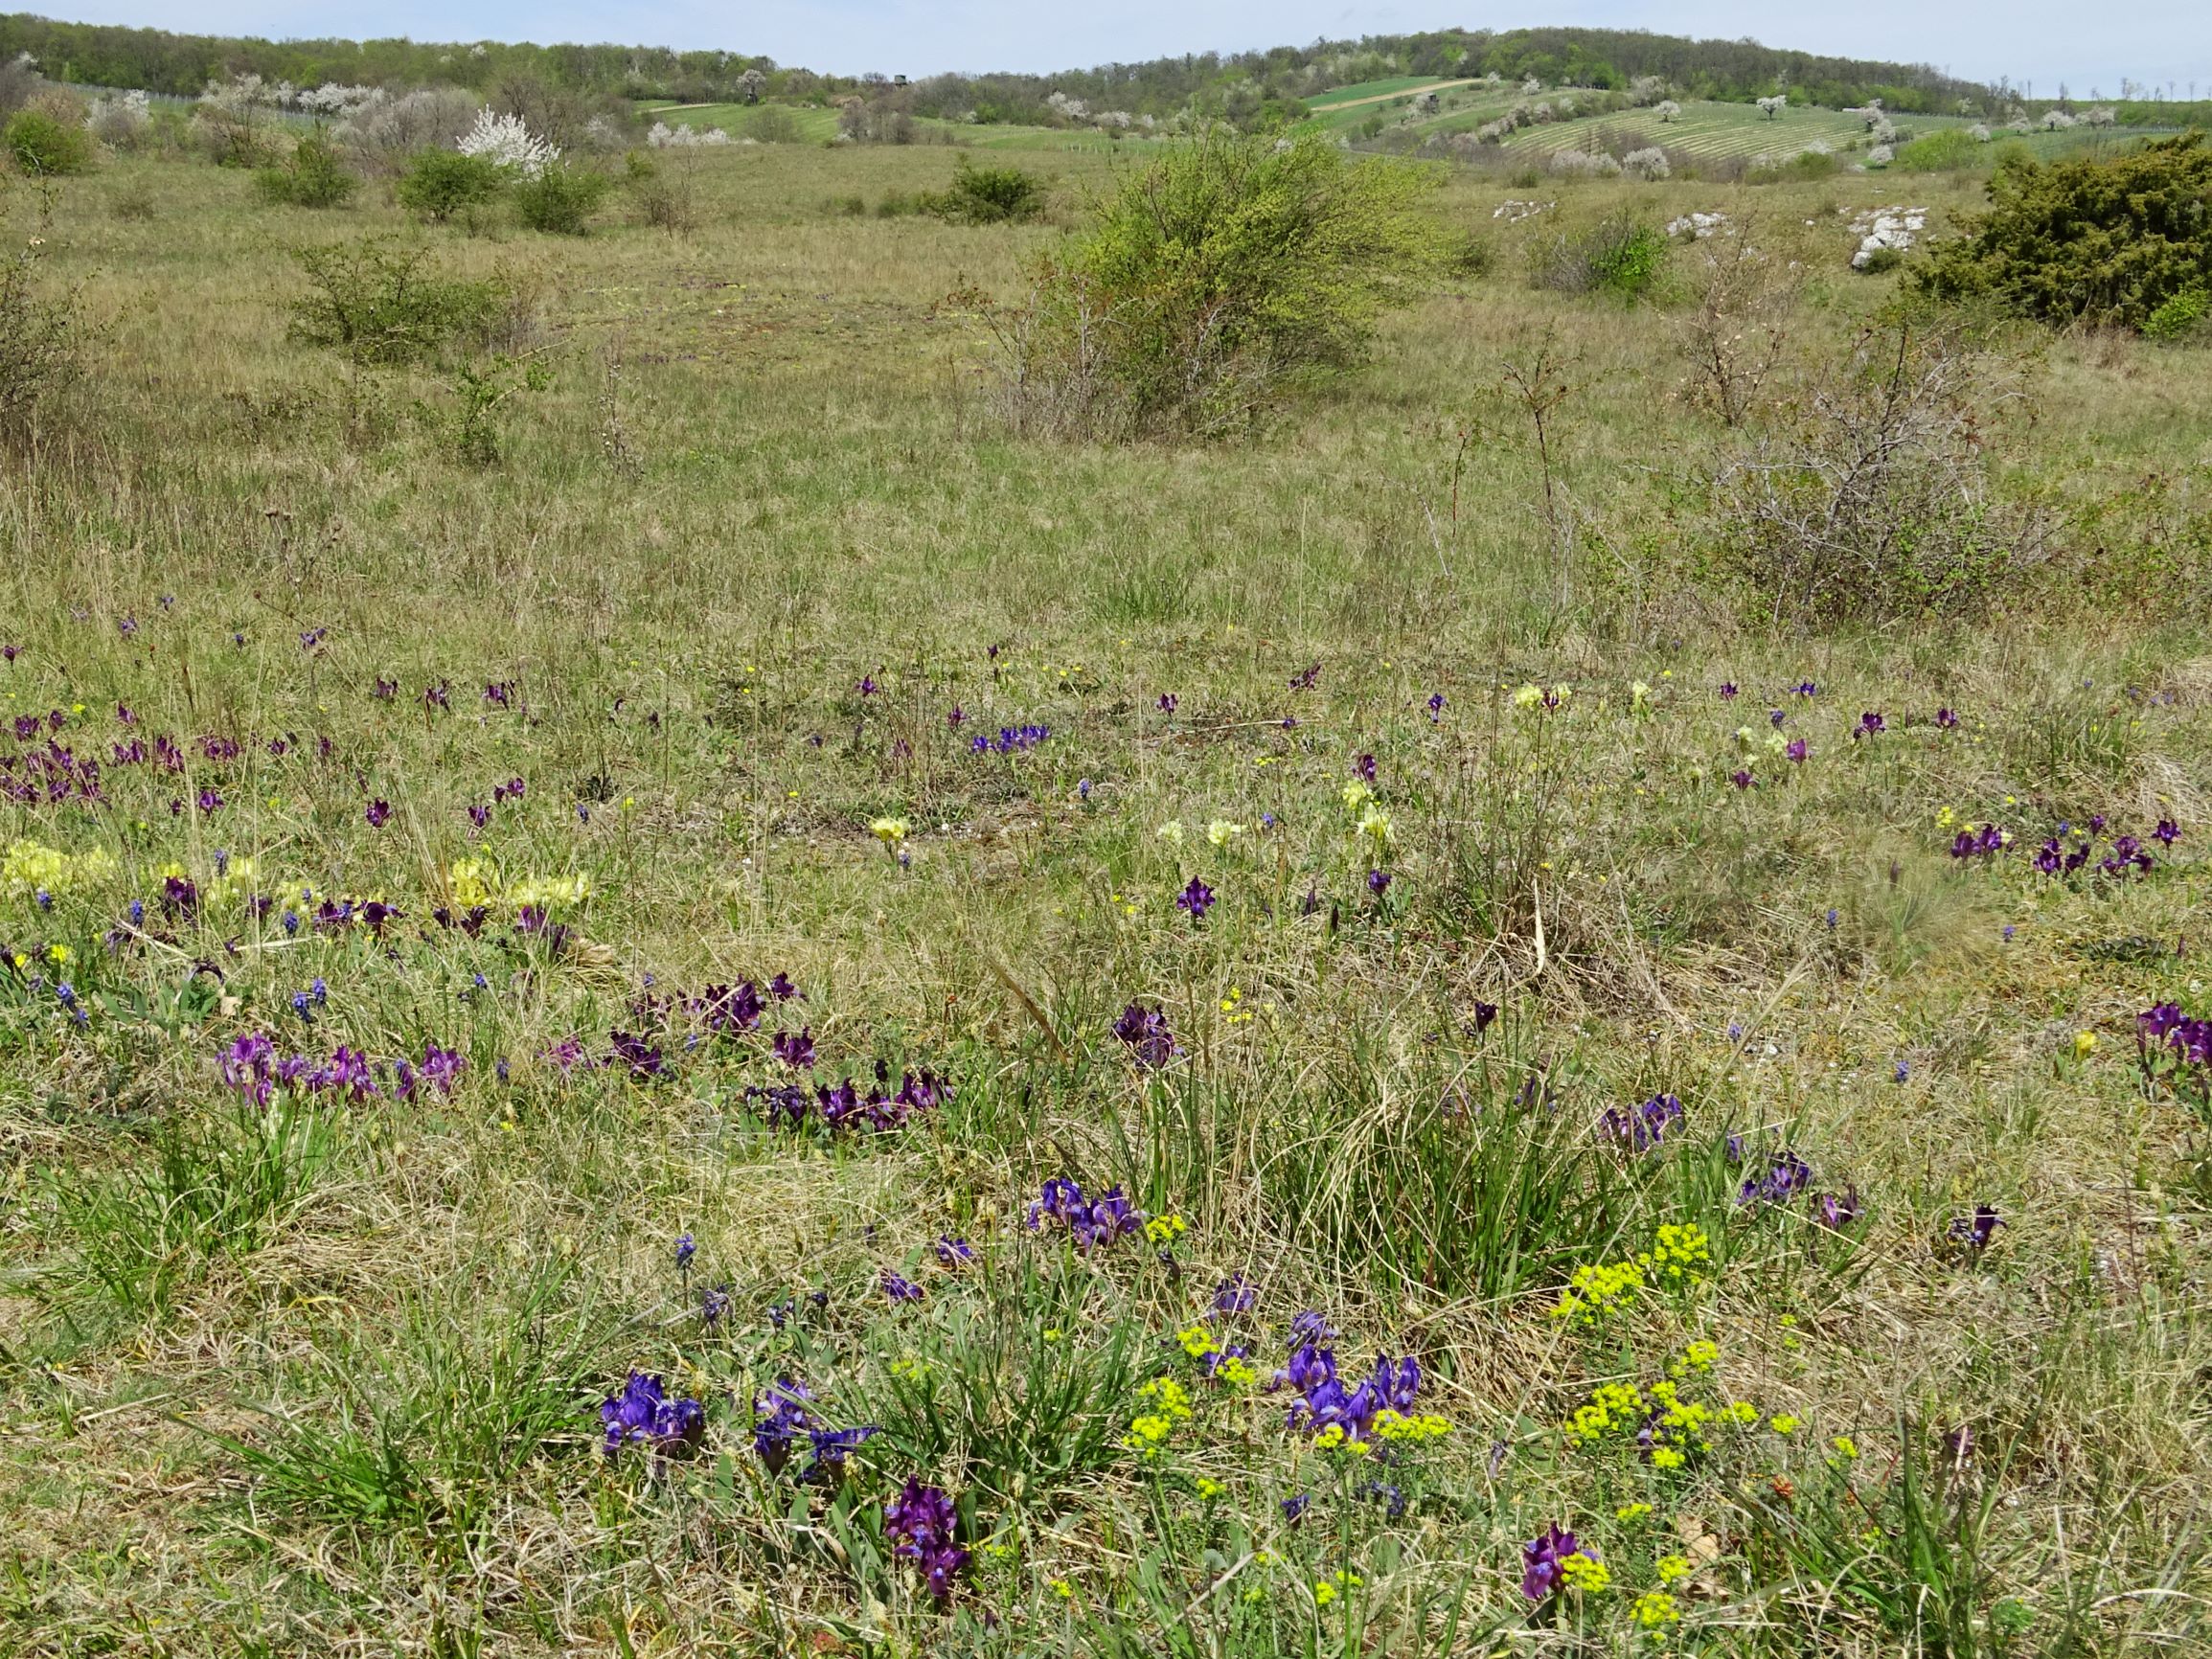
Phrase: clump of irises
[643,1414]
[1089,1222]
[1555,1561]
[782,1423]
[2176,1050]
[921,1525]
[1986,842]
[252,1067]
[1325,1408]
[844,1108]
[1641,1128]
[1010,739]
[1146,1034]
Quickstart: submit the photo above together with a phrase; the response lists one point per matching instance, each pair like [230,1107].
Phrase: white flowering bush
[1648,165]
[505,140]
[1772,108]
[1666,109]
[1978,132]
[1880,155]
[666,136]
[122,119]
[333,102]
[2057,121]
[1582,164]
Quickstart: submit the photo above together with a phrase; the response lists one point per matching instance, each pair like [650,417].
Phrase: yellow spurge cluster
[1150,1430]
[474,881]
[1680,1257]
[29,868]
[1335,1586]
[1165,1229]
[1614,1405]
[1681,1428]
[1699,1357]
[1402,1430]
[1597,1288]
[1581,1572]
[1654,1610]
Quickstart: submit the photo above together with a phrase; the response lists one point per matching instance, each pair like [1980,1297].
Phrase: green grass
[327,1378]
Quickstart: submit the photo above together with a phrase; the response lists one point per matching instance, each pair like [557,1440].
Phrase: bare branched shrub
[41,333]
[383,135]
[1877,502]
[1735,334]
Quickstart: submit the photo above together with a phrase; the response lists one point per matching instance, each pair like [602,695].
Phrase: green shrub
[1619,257]
[2180,318]
[559,200]
[313,177]
[1949,150]
[1214,279]
[437,184]
[42,334]
[1805,165]
[373,301]
[42,145]
[988,195]
[2091,239]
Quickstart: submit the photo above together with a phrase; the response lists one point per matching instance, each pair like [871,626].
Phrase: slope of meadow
[677,892]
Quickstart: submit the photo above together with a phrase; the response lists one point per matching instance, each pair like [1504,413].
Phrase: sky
[2043,41]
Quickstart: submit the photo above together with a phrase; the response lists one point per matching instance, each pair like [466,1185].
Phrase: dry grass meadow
[321,1370]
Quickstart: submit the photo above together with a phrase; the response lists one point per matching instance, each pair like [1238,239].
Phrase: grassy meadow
[1366,857]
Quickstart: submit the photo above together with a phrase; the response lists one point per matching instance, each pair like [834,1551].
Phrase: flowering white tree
[2057,121]
[1649,164]
[505,140]
[1772,108]
[1666,109]
[666,136]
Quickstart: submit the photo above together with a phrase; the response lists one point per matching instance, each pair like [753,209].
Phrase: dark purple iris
[957,715]
[1485,1015]
[1089,1223]
[1540,1556]
[953,1251]
[1304,679]
[378,813]
[796,1051]
[1325,1401]
[385,689]
[1870,726]
[1785,1175]
[921,1525]
[867,687]
[1796,750]
[1985,843]
[1197,898]
[1642,1129]
[1944,720]
[1167,702]
[643,1414]
[1235,1294]
[687,1247]
[1975,1232]
[1435,705]
[1151,1043]
[1741,779]
[899,1288]
[1364,768]
[637,1054]
[1378,882]
[1836,1211]
[2168,832]
[1727,689]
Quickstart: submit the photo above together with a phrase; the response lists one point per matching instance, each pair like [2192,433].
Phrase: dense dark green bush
[375,300]
[988,195]
[2093,241]
[43,144]
[439,183]
[1218,276]
[559,200]
[313,177]
[1946,150]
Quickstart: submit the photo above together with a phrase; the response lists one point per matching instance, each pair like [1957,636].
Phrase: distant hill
[1253,88]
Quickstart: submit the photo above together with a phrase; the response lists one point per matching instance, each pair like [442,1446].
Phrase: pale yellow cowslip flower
[1220,832]
[1172,831]
[888,830]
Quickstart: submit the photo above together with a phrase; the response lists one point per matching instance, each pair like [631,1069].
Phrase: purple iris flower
[921,1525]
[1796,750]
[686,1248]
[953,1251]
[1364,769]
[1540,1556]
[643,1414]
[796,1052]
[899,1288]
[1167,702]
[1727,689]
[1197,898]
[1643,1127]
[1837,1210]
[1378,882]
[1151,1043]
[1975,1231]
[378,813]
[1785,1177]
[1944,720]
[1870,726]
[2168,832]
[1235,1294]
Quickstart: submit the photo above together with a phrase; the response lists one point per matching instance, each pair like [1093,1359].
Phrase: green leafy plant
[1215,279]
[313,177]
[561,199]
[987,195]
[375,301]
[42,334]
[41,144]
[438,183]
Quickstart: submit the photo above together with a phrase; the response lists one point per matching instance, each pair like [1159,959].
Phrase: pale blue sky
[2045,42]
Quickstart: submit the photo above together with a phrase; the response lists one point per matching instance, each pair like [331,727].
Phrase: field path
[1385,97]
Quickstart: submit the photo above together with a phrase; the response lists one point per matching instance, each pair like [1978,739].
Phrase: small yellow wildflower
[1698,1357]
[1198,1342]
[888,830]
[1172,831]
[1741,1411]
[1210,1488]
[59,955]
[1356,794]
[1165,1229]
[2084,1044]
[1654,1610]
[1527,697]
[1672,1569]
[1236,1373]
[1846,1448]
[1632,1513]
